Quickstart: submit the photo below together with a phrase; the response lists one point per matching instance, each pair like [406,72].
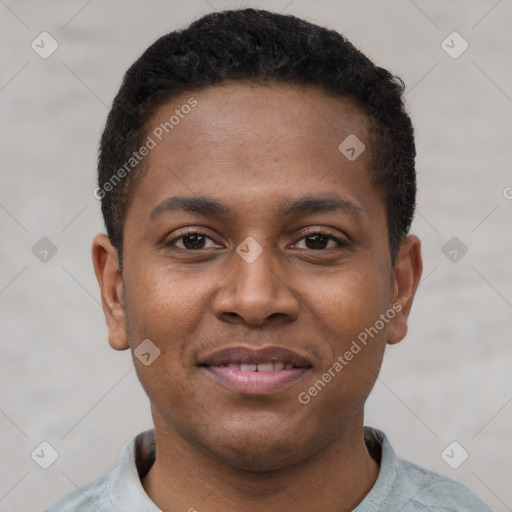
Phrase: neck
[185,477]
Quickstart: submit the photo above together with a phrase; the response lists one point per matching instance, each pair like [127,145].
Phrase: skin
[253,148]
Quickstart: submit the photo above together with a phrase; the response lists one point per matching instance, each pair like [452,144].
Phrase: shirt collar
[378,444]
[137,457]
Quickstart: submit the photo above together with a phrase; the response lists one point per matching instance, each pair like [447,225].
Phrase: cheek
[169,309]
[164,304]
[350,313]
[163,311]
[350,301]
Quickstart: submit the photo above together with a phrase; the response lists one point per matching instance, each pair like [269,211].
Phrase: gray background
[61,383]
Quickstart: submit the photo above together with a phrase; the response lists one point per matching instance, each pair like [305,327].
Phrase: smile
[256,372]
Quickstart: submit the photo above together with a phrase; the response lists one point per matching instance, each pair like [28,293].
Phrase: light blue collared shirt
[400,486]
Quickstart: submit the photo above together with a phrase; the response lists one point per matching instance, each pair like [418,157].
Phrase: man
[257,181]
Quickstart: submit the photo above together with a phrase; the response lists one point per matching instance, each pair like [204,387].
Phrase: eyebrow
[197,204]
[209,207]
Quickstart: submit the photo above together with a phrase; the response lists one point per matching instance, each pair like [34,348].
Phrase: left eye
[191,241]
[319,241]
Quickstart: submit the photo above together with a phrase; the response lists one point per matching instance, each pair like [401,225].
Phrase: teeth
[266,367]
[269,366]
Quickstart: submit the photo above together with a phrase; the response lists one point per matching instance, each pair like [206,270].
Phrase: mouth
[256,372]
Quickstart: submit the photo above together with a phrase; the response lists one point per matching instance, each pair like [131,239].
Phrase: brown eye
[322,241]
[192,241]
[316,241]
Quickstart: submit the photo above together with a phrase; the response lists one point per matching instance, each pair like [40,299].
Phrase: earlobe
[108,274]
[408,269]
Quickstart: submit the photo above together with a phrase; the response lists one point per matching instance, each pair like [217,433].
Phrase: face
[255,257]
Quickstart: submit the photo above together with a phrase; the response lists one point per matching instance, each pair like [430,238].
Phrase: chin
[257,459]
[258,450]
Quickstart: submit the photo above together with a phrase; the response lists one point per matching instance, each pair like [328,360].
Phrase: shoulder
[120,490]
[90,498]
[405,486]
[424,490]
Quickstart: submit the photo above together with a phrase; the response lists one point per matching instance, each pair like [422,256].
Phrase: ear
[408,269]
[108,274]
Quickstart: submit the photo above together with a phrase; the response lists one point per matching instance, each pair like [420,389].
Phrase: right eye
[191,241]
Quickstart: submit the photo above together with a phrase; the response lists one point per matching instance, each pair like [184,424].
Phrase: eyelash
[341,244]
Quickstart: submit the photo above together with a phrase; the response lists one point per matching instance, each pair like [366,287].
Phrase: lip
[255,382]
[247,355]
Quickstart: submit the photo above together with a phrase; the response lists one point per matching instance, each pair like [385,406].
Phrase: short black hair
[262,47]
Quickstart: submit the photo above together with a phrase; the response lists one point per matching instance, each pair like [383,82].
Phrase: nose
[254,293]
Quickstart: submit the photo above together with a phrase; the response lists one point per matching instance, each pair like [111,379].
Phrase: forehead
[262,142]
[256,116]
